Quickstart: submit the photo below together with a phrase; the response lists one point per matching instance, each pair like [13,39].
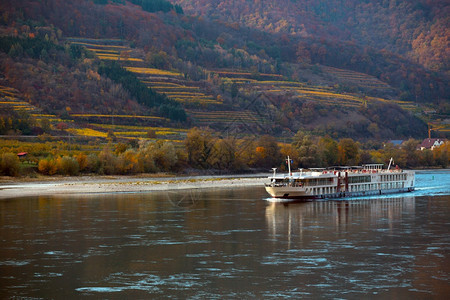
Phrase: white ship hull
[293,193]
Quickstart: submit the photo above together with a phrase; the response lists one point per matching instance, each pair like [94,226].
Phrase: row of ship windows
[393,177]
[357,188]
[381,186]
[320,191]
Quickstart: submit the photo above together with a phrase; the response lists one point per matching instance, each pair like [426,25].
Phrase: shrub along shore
[204,153]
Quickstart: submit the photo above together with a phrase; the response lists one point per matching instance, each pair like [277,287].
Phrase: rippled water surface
[227,243]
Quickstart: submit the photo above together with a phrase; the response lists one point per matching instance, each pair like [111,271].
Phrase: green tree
[308,153]
[348,152]
[92,164]
[146,156]
[329,151]
[45,125]
[143,94]
[67,166]
[108,162]
[165,155]
[267,152]
[307,150]
[198,143]
[442,155]
[411,153]
[9,164]
[223,154]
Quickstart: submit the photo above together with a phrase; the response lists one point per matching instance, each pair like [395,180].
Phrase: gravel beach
[93,185]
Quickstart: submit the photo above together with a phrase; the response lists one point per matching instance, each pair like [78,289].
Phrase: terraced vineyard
[175,87]
[131,132]
[323,94]
[167,82]
[10,99]
[242,75]
[121,126]
[359,79]
[237,118]
[108,49]
[87,117]
[208,109]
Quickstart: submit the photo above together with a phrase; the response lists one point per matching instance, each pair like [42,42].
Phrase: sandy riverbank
[93,185]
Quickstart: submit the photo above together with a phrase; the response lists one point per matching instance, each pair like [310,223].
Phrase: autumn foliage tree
[9,164]
[47,166]
[348,152]
[199,144]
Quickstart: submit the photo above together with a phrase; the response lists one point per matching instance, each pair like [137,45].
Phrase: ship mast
[289,165]
[390,163]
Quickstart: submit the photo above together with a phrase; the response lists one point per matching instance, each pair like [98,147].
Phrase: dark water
[227,244]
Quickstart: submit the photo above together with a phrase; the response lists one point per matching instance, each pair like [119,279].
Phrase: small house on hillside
[431,144]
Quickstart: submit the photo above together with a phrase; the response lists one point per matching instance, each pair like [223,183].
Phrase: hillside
[121,69]
[415,29]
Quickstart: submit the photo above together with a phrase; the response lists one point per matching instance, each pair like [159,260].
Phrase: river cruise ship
[337,182]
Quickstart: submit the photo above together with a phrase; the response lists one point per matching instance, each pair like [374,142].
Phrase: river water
[227,244]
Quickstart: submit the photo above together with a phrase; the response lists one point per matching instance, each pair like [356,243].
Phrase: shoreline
[121,184]
[143,183]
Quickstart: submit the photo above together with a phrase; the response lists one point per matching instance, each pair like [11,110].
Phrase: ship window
[359,179]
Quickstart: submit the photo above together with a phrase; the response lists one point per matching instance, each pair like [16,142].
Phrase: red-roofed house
[431,144]
[22,154]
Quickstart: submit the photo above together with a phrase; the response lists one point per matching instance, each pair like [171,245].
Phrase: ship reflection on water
[293,220]
[391,247]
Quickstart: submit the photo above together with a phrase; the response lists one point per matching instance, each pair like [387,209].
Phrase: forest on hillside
[65,78]
[415,29]
[216,43]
